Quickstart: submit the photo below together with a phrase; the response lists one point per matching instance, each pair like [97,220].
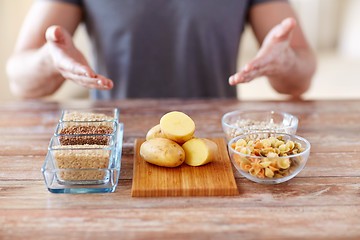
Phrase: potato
[199,151]
[177,126]
[155,132]
[162,152]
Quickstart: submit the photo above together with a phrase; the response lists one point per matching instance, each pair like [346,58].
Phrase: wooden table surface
[322,202]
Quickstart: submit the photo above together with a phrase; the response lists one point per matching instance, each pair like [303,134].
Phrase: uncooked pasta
[267,158]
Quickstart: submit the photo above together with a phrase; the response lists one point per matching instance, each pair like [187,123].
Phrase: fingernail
[247,68]
[236,77]
[231,79]
[92,75]
[287,21]
[278,34]
[99,82]
[106,84]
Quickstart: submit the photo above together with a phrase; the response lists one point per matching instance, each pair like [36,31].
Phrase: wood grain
[322,202]
[213,179]
[224,223]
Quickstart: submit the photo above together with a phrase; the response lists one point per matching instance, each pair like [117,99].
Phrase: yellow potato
[155,132]
[199,151]
[162,152]
[177,126]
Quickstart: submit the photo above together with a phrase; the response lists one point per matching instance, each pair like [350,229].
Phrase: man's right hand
[70,62]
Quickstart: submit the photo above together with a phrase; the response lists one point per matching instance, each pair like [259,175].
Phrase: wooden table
[322,202]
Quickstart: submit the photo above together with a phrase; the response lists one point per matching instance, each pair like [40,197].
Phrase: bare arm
[45,55]
[285,56]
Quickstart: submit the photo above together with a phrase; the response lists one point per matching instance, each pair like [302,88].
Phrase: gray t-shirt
[165,48]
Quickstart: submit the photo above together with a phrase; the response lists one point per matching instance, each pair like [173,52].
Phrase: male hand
[70,62]
[274,57]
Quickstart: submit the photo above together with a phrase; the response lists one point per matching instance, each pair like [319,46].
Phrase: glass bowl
[268,157]
[237,123]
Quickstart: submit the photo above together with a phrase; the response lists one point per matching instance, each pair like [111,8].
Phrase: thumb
[55,34]
[285,29]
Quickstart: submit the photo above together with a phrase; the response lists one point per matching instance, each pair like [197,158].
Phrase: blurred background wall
[331,26]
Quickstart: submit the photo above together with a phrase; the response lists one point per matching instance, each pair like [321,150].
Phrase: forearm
[295,76]
[32,73]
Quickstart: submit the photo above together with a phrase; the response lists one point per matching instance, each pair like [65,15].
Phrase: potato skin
[155,132]
[162,152]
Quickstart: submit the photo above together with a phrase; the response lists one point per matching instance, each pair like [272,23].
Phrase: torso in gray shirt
[165,48]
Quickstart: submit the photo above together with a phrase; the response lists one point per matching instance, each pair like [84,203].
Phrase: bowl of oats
[268,157]
[237,123]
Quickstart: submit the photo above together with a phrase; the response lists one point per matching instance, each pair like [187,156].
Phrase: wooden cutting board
[213,179]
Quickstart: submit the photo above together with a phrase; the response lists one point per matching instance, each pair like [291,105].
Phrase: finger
[54,34]
[97,83]
[244,77]
[233,79]
[105,82]
[238,77]
[81,69]
[69,65]
[254,65]
[250,71]
[285,28]
[257,64]
[100,82]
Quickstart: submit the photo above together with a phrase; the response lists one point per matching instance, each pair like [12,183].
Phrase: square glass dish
[90,114]
[85,132]
[84,162]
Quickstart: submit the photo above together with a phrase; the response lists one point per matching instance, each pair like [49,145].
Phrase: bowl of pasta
[239,122]
[268,157]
